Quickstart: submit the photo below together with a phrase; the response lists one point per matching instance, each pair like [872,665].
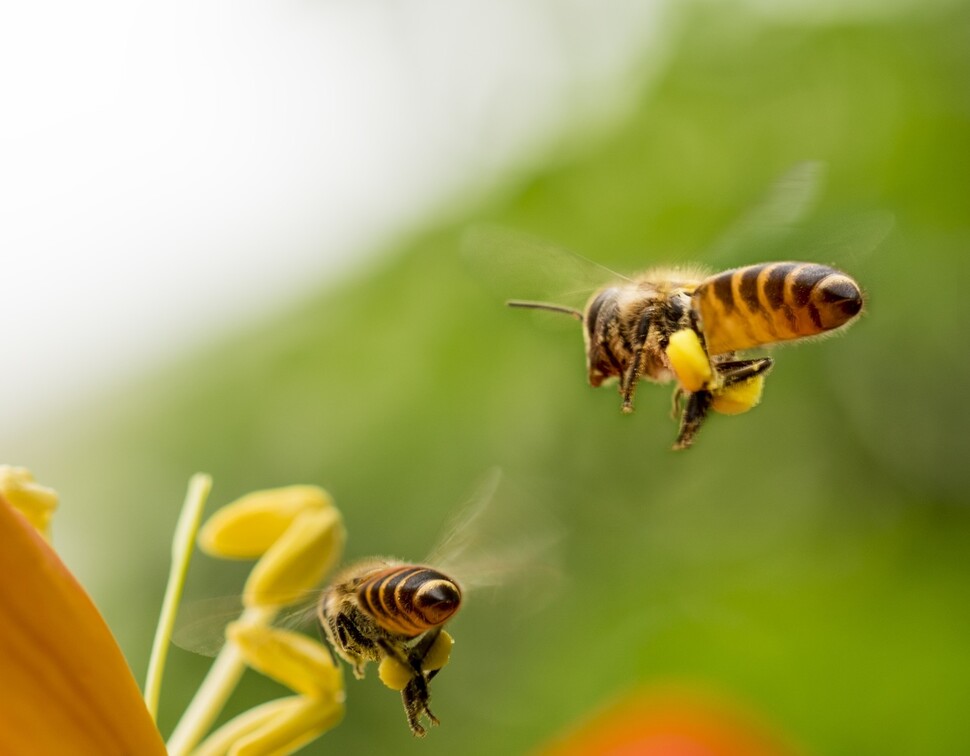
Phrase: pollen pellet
[688,360]
[733,400]
[394,674]
[298,560]
[439,653]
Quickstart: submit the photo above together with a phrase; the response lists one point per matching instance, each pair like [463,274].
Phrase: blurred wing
[518,266]
[760,232]
[500,539]
[201,624]
[847,241]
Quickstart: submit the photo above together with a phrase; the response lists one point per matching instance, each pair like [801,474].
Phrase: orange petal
[672,721]
[66,687]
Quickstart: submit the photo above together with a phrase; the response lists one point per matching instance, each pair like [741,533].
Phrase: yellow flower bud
[291,728]
[298,560]
[281,726]
[295,660]
[34,501]
[248,527]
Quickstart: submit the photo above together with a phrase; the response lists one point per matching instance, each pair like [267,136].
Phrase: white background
[168,169]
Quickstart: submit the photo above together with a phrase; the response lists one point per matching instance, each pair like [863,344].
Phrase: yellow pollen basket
[733,400]
[396,675]
[689,360]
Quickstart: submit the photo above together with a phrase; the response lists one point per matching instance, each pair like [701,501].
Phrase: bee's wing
[773,228]
[518,266]
[500,539]
[201,624]
[758,234]
[847,241]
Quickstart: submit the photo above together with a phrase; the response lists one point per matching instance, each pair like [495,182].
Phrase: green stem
[218,685]
[182,543]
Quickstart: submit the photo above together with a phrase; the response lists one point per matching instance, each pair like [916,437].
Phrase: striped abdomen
[762,304]
[408,599]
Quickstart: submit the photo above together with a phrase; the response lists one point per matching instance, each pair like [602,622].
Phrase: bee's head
[601,363]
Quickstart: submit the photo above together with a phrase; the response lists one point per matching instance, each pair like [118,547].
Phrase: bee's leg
[628,385]
[414,658]
[676,401]
[416,694]
[420,651]
[352,644]
[631,377]
[416,698]
[742,370]
[698,404]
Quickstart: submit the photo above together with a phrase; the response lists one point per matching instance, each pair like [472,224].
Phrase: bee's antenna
[578,314]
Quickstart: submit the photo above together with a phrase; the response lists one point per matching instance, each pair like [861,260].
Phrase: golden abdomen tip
[839,299]
[437,600]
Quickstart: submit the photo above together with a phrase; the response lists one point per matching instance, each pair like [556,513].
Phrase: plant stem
[182,543]
[218,685]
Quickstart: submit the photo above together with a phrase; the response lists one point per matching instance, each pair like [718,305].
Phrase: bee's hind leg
[416,695]
[698,403]
[742,370]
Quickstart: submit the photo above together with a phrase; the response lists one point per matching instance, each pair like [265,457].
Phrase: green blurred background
[808,559]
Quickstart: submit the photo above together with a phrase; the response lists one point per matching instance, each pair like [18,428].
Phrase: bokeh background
[808,560]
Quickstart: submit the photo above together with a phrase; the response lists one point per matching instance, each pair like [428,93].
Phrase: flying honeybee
[377,609]
[675,325]
[688,326]
[393,613]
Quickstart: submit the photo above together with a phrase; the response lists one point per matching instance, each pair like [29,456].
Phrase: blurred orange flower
[66,686]
[672,721]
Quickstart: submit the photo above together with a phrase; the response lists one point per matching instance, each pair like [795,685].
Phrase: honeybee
[688,326]
[378,609]
[393,613]
[628,330]
[386,610]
